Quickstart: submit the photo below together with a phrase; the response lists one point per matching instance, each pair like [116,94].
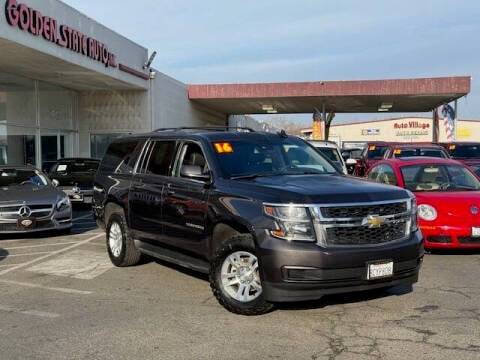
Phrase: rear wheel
[121,247]
[235,277]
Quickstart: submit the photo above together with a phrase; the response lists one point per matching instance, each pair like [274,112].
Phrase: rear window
[375,152]
[119,157]
[76,167]
[465,151]
[405,153]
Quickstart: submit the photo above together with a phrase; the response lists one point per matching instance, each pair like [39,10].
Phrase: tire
[122,250]
[240,247]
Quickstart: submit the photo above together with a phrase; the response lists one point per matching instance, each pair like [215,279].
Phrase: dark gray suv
[265,215]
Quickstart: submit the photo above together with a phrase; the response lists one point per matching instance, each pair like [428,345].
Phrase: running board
[173,256]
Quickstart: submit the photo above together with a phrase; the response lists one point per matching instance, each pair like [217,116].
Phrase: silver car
[29,202]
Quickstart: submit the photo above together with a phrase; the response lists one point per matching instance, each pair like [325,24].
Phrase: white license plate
[476,231]
[380,270]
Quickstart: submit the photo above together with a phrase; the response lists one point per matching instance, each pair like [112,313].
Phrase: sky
[233,41]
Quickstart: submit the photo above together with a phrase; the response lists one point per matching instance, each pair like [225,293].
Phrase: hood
[30,195]
[317,189]
[453,208]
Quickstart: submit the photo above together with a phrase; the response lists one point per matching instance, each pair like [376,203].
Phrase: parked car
[467,153]
[351,158]
[331,151]
[75,177]
[448,197]
[415,150]
[29,202]
[265,215]
[371,154]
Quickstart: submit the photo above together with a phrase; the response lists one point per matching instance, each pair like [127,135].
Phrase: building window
[99,144]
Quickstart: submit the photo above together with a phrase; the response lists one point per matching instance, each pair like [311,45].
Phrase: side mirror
[194,172]
[55,182]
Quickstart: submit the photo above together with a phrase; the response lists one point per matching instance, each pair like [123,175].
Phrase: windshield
[282,156]
[476,169]
[331,154]
[406,153]
[465,151]
[13,177]
[439,178]
[376,152]
[76,167]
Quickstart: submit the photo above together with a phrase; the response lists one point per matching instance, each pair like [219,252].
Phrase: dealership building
[69,85]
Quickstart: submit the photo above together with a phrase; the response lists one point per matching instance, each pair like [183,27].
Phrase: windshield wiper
[250,176]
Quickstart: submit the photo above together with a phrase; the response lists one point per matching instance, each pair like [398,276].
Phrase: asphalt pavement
[60,298]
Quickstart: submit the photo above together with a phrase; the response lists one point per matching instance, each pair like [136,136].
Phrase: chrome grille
[38,211]
[362,224]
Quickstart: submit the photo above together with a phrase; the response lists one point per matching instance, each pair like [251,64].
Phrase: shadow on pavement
[347,298]
[3,254]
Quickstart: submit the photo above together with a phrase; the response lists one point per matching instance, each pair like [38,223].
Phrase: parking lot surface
[60,298]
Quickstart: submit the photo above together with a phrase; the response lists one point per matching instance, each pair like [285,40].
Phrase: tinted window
[161,158]
[118,158]
[465,151]
[439,178]
[76,167]
[404,153]
[375,152]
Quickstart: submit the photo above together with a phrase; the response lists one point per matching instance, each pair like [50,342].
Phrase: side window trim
[141,158]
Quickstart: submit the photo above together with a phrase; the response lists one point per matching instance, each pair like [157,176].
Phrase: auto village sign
[28,19]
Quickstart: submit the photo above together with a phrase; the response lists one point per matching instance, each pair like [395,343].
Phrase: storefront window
[99,144]
[17,146]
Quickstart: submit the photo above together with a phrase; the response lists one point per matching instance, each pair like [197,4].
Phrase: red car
[467,153]
[416,150]
[372,153]
[448,197]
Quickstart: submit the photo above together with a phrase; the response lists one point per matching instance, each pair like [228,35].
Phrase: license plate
[87,200]
[26,224]
[77,197]
[476,231]
[380,270]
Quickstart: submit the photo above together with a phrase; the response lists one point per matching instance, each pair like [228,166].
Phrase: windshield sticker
[398,152]
[62,168]
[223,148]
[431,170]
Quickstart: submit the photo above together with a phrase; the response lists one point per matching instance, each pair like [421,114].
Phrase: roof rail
[207,128]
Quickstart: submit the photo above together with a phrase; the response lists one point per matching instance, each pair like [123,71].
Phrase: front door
[185,202]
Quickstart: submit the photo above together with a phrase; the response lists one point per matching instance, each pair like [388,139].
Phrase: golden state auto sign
[34,22]
[412,129]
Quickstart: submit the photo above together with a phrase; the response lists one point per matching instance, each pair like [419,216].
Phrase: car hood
[318,189]
[30,195]
[453,208]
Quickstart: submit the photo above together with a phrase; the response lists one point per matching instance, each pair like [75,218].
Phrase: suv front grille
[364,211]
[360,235]
[363,225]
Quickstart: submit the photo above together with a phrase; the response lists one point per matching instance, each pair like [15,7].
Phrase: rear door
[147,187]
[185,201]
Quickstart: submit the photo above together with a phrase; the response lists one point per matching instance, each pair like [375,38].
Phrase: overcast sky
[213,41]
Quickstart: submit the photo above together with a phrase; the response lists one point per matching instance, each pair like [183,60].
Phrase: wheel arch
[224,230]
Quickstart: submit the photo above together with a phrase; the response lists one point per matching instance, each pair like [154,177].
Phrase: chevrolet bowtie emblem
[374,221]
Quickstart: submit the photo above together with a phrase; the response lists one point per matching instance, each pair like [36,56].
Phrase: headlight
[427,212]
[414,214]
[63,203]
[293,223]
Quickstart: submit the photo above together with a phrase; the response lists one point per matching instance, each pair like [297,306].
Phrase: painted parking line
[37,286]
[78,264]
[43,314]
[38,246]
[46,256]
[28,254]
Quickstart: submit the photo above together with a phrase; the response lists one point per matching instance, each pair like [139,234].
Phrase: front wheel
[235,278]
[121,247]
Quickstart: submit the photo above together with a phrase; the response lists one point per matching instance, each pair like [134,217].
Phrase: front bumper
[57,222]
[305,271]
[449,237]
